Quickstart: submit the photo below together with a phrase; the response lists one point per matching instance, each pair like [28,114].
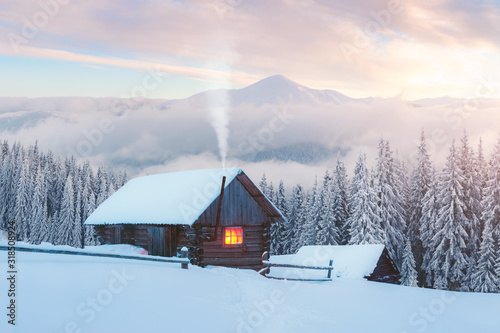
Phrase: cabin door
[115,235]
[161,242]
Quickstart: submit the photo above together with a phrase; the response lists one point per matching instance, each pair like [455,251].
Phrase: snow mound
[349,261]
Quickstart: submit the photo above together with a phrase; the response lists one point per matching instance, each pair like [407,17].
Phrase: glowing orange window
[233,236]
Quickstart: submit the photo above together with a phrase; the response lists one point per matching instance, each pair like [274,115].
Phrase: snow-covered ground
[61,293]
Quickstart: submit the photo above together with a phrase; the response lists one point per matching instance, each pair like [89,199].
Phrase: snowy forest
[441,227]
[50,198]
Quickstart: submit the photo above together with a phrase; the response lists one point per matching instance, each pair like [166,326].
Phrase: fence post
[330,270]
[184,254]
[265,257]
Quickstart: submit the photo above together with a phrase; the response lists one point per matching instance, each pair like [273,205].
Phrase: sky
[108,48]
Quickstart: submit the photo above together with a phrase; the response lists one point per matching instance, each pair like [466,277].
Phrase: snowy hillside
[58,293]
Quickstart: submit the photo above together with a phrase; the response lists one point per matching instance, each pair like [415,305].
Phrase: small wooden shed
[367,261]
[165,212]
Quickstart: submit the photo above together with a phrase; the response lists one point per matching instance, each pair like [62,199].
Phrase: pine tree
[23,203]
[44,232]
[449,260]
[90,236]
[77,231]
[276,236]
[38,216]
[102,186]
[482,168]
[390,202]
[263,184]
[428,218]
[482,174]
[6,179]
[485,279]
[490,247]
[17,162]
[65,235]
[278,228]
[309,225]
[296,221]
[271,195]
[421,182]
[341,202]
[88,201]
[364,221]
[472,198]
[56,186]
[327,233]
[54,227]
[408,271]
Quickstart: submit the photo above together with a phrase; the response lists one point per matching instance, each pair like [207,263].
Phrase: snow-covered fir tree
[364,221]
[449,261]
[341,201]
[487,276]
[472,200]
[429,213]
[65,235]
[421,182]
[31,190]
[296,221]
[23,194]
[263,184]
[309,224]
[408,271]
[77,231]
[278,229]
[390,202]
[327,232]
[38,216]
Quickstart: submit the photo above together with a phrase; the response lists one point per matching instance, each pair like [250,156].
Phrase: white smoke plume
[219,119]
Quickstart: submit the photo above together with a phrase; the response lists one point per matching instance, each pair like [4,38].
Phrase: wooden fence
[184,261]
[266,266]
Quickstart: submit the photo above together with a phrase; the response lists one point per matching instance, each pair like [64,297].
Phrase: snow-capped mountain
[275,90]
[280,90]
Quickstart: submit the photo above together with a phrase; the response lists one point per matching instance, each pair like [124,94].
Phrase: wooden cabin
[165,212]
[367,261]
[385,270]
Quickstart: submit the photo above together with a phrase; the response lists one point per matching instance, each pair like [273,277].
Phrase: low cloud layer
[152,136]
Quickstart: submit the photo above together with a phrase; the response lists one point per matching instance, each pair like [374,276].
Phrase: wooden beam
[221,196]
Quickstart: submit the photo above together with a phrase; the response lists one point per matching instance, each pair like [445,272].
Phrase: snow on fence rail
[266,265]
[184,261]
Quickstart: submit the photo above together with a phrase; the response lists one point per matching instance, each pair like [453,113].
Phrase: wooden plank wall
[247,255]
[139,235]
[385,271]
[238,208]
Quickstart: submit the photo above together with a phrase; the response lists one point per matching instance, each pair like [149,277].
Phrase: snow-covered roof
[176,198]
[349,261]
[168,198]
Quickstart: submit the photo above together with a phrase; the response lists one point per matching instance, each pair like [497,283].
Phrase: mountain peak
[276,81]
[277,90]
